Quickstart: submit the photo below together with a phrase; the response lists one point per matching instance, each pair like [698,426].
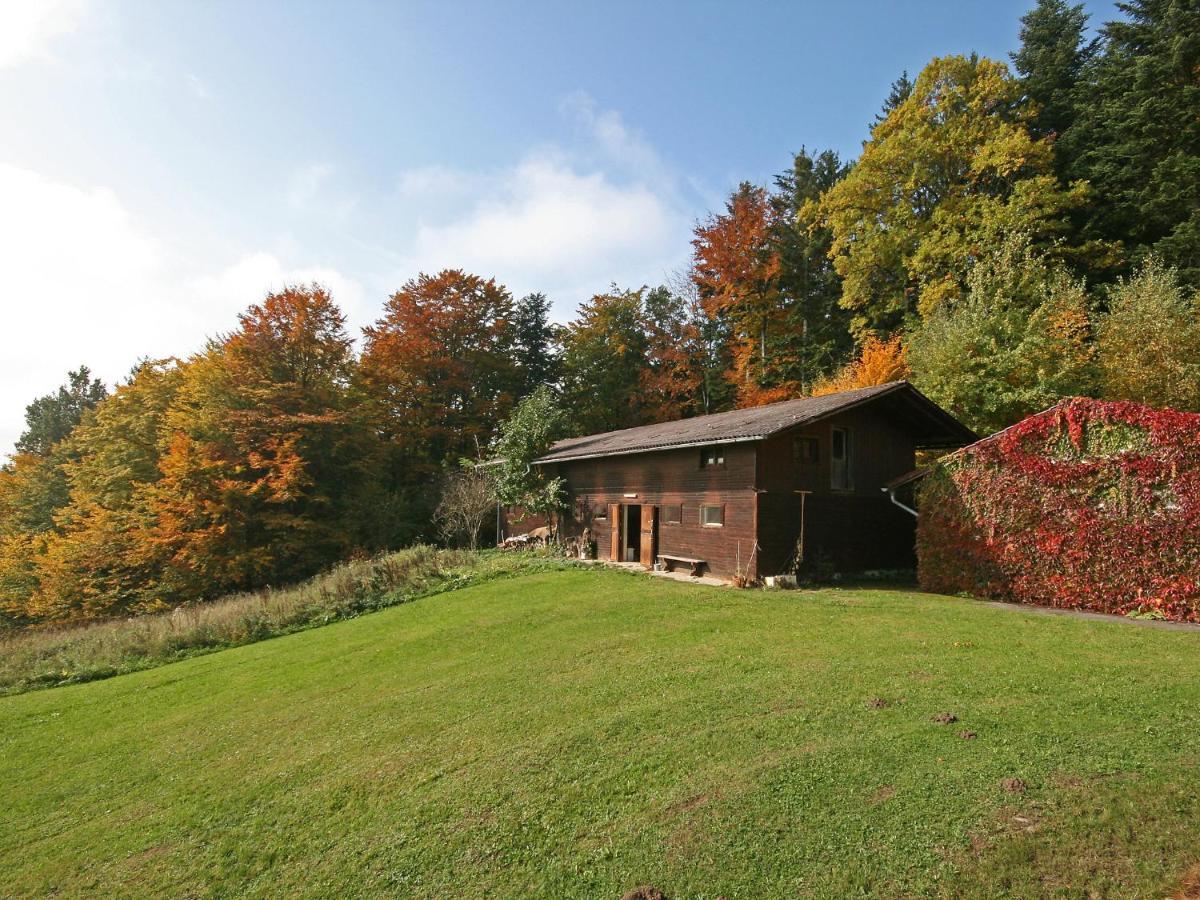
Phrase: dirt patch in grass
[644,892]
[883,794]
[945,718]
[1013,785]
[684,806]
[1189,885]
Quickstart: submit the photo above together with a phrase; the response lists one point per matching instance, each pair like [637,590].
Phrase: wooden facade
[754,505]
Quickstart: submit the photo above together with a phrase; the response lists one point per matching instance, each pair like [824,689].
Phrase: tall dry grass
[44,658]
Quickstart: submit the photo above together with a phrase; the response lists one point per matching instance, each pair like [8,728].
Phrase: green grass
[32,658]
[579,733]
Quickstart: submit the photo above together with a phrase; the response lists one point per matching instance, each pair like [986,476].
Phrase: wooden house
[752,492]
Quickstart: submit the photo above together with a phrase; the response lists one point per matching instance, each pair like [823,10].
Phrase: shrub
[1089,505]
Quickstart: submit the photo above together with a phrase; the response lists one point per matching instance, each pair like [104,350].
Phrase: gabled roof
[932,425]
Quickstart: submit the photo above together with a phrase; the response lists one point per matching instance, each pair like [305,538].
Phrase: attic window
[804,450]
[712,456]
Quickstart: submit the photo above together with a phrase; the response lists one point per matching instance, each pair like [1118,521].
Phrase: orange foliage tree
[439,368]
[736,267]
[879,361]
[263,456]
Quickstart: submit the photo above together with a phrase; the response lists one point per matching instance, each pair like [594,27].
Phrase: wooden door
[649,529]
[614,522]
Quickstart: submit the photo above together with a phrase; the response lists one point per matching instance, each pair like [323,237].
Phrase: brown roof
[936,426]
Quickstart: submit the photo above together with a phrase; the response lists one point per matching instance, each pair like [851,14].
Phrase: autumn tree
[51,418]
[1019,341]
[101,559]
[439,368]
[1149,340]
[736,268]
[671,379]
[263,456]
[952,169]
[879,361]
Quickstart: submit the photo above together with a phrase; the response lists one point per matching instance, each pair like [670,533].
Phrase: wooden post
[614,522]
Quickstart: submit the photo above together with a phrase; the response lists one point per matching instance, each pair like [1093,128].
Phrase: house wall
[673,477]
[854,530]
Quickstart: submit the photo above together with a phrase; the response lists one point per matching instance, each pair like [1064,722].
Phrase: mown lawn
[580,733]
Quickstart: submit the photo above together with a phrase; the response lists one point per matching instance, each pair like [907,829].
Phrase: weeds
[46,658]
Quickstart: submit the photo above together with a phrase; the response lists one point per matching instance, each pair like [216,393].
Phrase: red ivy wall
[1090,505]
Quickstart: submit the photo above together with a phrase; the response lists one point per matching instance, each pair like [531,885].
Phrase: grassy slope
[578,733]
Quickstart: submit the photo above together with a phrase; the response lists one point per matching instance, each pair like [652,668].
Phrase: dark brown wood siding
[673,478]
[854,529]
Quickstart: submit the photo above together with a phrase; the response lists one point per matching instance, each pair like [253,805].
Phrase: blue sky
[162,164]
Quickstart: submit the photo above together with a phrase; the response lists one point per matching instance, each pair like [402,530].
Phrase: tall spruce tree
[533,343]
[1138,134]
[817,330]
[900,91]
[1054,55]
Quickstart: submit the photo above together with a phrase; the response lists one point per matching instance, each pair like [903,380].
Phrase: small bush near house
[1089,505]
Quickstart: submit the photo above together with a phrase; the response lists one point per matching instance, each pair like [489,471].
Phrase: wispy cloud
[85,281]
[567,220]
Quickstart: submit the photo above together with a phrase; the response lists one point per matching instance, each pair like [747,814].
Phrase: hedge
[1089,505]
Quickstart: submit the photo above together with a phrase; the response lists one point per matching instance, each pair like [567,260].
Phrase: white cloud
[545,226]
[27,27]
[83,280]
[85,283]
[566,221]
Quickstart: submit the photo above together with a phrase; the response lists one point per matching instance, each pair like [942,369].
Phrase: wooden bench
[668,562]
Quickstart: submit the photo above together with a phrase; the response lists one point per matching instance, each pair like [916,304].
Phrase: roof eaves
[651,448]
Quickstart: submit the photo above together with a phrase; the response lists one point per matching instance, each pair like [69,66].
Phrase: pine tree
[1054,55]
[900,91]
[533,343]
[51,418]
[1139,135]
[815,339]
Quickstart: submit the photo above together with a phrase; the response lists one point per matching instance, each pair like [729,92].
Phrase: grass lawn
[579,733]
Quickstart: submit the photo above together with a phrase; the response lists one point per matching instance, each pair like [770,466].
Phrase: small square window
[712,456]
[712,515]
[672,515]
[600,511]
[804,450]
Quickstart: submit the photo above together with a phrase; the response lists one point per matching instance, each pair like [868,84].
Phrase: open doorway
[631,530]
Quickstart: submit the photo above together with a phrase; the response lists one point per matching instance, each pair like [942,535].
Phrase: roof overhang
[549,459]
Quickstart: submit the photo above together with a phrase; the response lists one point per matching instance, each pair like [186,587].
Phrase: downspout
[891,492]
